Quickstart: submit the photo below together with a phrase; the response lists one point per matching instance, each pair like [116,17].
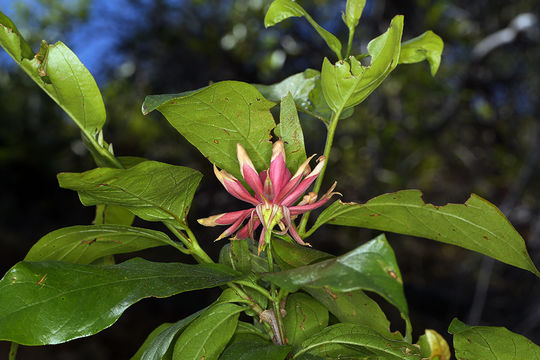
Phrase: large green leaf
[160,347]
[491,343]
[359,336]
[305,88]
[290,131]
[280,10]
[290,255]
[354,307]
[207,336]
[371,266]
[85,243]
[428,46]
[53,302]
[152,190]
[305,317]
[348,83]
[252,347]
[476,225]
[58,71]
[236,254]
[216,118]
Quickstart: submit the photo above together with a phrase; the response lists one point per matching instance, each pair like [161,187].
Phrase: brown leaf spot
[327,290]
[392,274]
[216,141]
[88,242]
[374,214]
[13,279]
[485,237]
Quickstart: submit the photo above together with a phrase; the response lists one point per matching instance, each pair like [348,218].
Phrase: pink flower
[275,192]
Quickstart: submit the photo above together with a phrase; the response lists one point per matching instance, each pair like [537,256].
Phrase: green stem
[408,329]
[191,245]
[318,182]
[13,351]
[252,304]
[114,162]
[256,287]
[349,43]
[273,293]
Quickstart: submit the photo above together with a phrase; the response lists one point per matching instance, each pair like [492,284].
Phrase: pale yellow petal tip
[277,149]
[209,221]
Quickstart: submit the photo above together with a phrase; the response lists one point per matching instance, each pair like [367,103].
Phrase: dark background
[473,128]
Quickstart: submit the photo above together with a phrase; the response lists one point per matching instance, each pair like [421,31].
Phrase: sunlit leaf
[214,119]
[85,243]
[476,225]
[305,88]
[353,12]
[433,346]
[347,83]
[491,343]
[152,190]
[280,10]
[53,302]
[428,46]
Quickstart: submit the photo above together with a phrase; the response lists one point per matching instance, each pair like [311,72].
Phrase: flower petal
[278,166]
[249,172]
[234,187]
[303,186]
[231,229]
[224,218]
[294,181]
[299,209]
[290,226]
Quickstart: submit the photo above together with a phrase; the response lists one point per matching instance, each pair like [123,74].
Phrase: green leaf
[371,266]
[12,40]
[110,214]
[236,255]
[487,343]
[290,131]
[252,347]
[280,10]
[160,347]
[290,255]
[152,190]
[362,337]
[353,12]
[428,46]
[348,83]
[149,340]
[305,88]
[60,74]
[244,328]
[354,307]
[216,118]
[476,225]
[207,336]
[85,243]
[305,317]
[58,71]
[53,302]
